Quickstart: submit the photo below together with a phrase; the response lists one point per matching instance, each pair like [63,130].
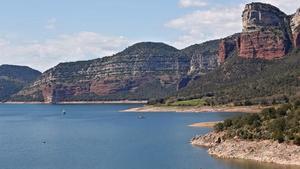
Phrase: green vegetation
[14,78]
[249,81]
[281,124]
[178,102]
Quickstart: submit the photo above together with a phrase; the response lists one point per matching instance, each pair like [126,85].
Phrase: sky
[43,33]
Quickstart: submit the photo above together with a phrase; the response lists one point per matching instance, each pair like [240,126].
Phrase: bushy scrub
[281,124]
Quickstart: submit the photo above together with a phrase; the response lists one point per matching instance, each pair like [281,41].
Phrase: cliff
[245,61]
[295,26]
[267,34]
[131,74]
[260,64]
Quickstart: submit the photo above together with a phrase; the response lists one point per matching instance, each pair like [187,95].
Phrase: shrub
[297,104]
[269,113]
[278,136]
[248,103]
[297,140]
[227,123]
[219,127]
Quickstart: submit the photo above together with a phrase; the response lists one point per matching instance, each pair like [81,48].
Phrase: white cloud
[192,3]
[200,25]
[51,24]
[43,55]
[288,6]
[217,22]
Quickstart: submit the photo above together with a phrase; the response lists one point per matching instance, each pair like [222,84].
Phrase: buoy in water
[64,112]
[141,117]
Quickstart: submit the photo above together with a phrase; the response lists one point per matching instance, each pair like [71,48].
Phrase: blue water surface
[103,137]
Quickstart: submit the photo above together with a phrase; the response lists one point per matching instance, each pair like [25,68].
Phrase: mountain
[14,78]
[259,63]
[142,71]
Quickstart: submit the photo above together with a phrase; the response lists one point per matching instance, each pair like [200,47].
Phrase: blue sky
[42,33]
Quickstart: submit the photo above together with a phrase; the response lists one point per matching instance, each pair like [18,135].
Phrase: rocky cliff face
[267,34]
[295,26]
[138,72]
[259,16]
[227,47]
[203,57]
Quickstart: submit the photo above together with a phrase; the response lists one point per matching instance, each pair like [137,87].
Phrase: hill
[256,66]
[14,78]
[142,71]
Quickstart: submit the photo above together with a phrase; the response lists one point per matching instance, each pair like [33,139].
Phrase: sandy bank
[262,151]
[205,124]
[241,109]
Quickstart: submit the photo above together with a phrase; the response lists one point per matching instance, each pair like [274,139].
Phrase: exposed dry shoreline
[240,109]
[205,124]
[262,151]
[85,102]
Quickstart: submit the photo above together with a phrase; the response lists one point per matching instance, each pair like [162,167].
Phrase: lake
[102,137]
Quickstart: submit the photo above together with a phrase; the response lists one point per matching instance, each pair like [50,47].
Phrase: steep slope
[142,71]
[255,80]
[203,57]
[14,78]
[260,64]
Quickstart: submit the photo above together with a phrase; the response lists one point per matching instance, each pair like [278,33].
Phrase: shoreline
[205,124]
[260,150]
[83,102]
[233,109]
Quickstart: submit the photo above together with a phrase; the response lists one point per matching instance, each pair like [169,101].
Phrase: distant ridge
[258,64]
[13,78]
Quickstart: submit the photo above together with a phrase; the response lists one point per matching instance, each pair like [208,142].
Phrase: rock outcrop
[262,151]
[268,34]
[265,32]
[227,47]
[260,16]
[265,44]
[295,26]
[203,57]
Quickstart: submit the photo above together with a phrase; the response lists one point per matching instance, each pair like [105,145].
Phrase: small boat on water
[64,112]
[141,117]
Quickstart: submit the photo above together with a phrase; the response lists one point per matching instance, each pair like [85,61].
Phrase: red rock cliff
[265,32]
[227,46]
[265,35]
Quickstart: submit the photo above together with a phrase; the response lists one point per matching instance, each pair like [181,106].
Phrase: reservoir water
[103,137]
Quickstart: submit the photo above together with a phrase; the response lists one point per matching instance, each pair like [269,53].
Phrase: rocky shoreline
[85,102]
[262,151]
[196,109]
